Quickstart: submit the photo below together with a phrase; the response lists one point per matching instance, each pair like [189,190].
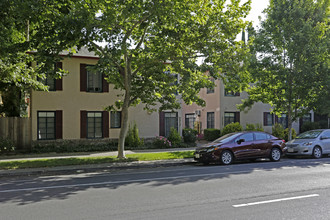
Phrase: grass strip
[53,162]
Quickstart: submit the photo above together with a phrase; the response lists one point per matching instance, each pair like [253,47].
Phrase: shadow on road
[39,189]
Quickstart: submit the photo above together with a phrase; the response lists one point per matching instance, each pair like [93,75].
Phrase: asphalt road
[290,189]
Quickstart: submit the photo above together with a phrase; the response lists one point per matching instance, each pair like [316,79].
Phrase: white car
[313,143]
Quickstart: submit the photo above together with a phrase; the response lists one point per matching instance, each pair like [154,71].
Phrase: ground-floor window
[190,121]
[210,120]
[171,120]
[94,125]
[283,120]
[268,119]
[46,125]
[231,117]
[115,118]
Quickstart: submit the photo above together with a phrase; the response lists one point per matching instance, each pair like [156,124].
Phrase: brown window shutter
[105,115]
[59,82]
[161,123]
[265,118]
[83,124]
[59,124]
[105,84]
[83,78]
[237,117]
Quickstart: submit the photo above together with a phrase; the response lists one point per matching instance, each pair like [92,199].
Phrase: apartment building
[221,109]
[73,109]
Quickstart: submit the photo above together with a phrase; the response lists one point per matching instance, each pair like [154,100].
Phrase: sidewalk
[108,167]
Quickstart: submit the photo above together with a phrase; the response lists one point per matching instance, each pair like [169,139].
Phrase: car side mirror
[240,141]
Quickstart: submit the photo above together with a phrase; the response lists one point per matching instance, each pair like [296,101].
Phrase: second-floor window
[231,93]
[92,81]
[209,91]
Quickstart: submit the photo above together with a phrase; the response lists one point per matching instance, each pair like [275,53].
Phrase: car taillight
[283,141]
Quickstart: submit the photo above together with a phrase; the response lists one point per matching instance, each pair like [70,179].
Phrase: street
[289,189]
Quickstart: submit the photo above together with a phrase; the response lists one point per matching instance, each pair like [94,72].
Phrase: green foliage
[162,142]
[132,139]
[232,127]
[174,137]
[290,49]
[310,126]
[6,146]
[210,134]
[189,135]
[253,127]
[278,130]
[286,134]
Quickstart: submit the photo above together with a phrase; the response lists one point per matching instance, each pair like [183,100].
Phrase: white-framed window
[115,119]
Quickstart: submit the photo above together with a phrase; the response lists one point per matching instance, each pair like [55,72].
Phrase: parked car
[313,143]
[241,145]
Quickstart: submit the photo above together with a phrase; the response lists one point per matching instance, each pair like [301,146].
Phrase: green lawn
[38,163]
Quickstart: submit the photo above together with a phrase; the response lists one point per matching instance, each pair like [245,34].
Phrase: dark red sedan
[241,145]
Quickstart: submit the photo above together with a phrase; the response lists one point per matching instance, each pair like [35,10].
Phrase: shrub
[250,127]
[189,135]
[162,142]
[6,146]
[132,139]
[278,130]
[307,126]
[286,134]
[211,134]
[174,137]
[232,127]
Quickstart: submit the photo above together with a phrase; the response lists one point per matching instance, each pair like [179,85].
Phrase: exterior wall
[71,101]
[218,103]
[212,101]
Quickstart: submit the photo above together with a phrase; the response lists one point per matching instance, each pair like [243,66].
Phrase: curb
[62,170]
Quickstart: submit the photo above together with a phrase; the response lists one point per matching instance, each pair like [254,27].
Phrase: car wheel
[275,154]
[226,157]
[317,152]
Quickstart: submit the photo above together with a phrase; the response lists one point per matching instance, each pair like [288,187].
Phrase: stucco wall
[71,101]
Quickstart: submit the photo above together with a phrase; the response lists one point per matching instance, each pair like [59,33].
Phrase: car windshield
[309,135]
[227,138]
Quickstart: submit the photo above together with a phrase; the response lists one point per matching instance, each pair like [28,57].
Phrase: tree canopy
[290,61]
[150,48]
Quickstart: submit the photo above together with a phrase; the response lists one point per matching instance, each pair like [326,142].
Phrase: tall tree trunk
[124,127]
[124,110]
[290,123]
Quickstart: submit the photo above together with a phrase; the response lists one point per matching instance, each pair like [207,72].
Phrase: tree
[290,62]
[150,45]
[33,31]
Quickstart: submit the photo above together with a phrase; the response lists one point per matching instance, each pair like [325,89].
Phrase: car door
[244,146]
[262,143]
[325,141]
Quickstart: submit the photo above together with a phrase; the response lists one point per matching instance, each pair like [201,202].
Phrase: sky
[257,6]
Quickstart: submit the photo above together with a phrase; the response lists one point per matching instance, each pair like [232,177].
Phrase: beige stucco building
[221,109]
[73,109]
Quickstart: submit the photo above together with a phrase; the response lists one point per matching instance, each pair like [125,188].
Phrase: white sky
[257,6]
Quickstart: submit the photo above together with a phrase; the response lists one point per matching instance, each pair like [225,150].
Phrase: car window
[309,135]
[326,134]
[247,137]
[226,138]
[261,136]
